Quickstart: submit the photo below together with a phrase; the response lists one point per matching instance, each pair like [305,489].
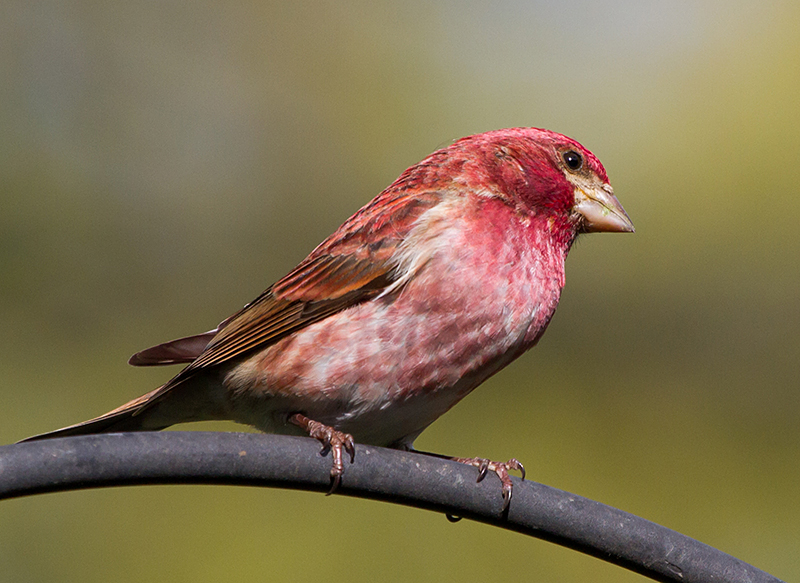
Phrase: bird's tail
[128,417]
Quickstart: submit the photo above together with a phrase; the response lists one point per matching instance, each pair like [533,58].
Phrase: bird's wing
[351,266]
[180,351]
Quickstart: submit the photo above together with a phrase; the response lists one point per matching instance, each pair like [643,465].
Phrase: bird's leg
[483,465]
[332,440]
[499,468]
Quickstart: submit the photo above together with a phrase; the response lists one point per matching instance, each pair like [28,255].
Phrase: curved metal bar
[412,479]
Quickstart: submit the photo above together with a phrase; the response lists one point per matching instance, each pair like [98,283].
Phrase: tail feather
[124,418]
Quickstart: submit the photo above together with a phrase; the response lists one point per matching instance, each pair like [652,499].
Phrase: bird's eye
[572,159]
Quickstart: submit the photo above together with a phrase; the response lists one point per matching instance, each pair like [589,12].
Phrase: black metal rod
[412,479]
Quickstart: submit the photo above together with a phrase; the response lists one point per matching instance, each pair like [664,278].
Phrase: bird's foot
[332,440]
[499,468]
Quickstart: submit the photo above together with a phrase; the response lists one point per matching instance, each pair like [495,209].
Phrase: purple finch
[439,282]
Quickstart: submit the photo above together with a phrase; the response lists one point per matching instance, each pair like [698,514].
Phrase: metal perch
[412,479]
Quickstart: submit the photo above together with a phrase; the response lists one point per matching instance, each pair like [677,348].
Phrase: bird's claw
[333,441]
[500,468]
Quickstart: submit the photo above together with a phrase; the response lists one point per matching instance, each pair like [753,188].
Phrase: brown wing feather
[182,350]
[351,266]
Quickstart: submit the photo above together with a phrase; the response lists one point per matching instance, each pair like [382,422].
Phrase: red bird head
[545,174]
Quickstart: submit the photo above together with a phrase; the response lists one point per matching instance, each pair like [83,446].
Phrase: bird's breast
[474,298]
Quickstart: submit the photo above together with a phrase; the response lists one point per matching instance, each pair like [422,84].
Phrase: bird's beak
[601,210]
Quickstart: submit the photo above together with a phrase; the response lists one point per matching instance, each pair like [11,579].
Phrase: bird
[444,278]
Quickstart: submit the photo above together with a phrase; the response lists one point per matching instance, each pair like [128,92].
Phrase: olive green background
[161,163]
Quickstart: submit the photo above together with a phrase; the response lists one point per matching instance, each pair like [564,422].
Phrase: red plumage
[441,280]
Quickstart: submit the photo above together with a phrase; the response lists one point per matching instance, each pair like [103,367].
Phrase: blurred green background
[161,163]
